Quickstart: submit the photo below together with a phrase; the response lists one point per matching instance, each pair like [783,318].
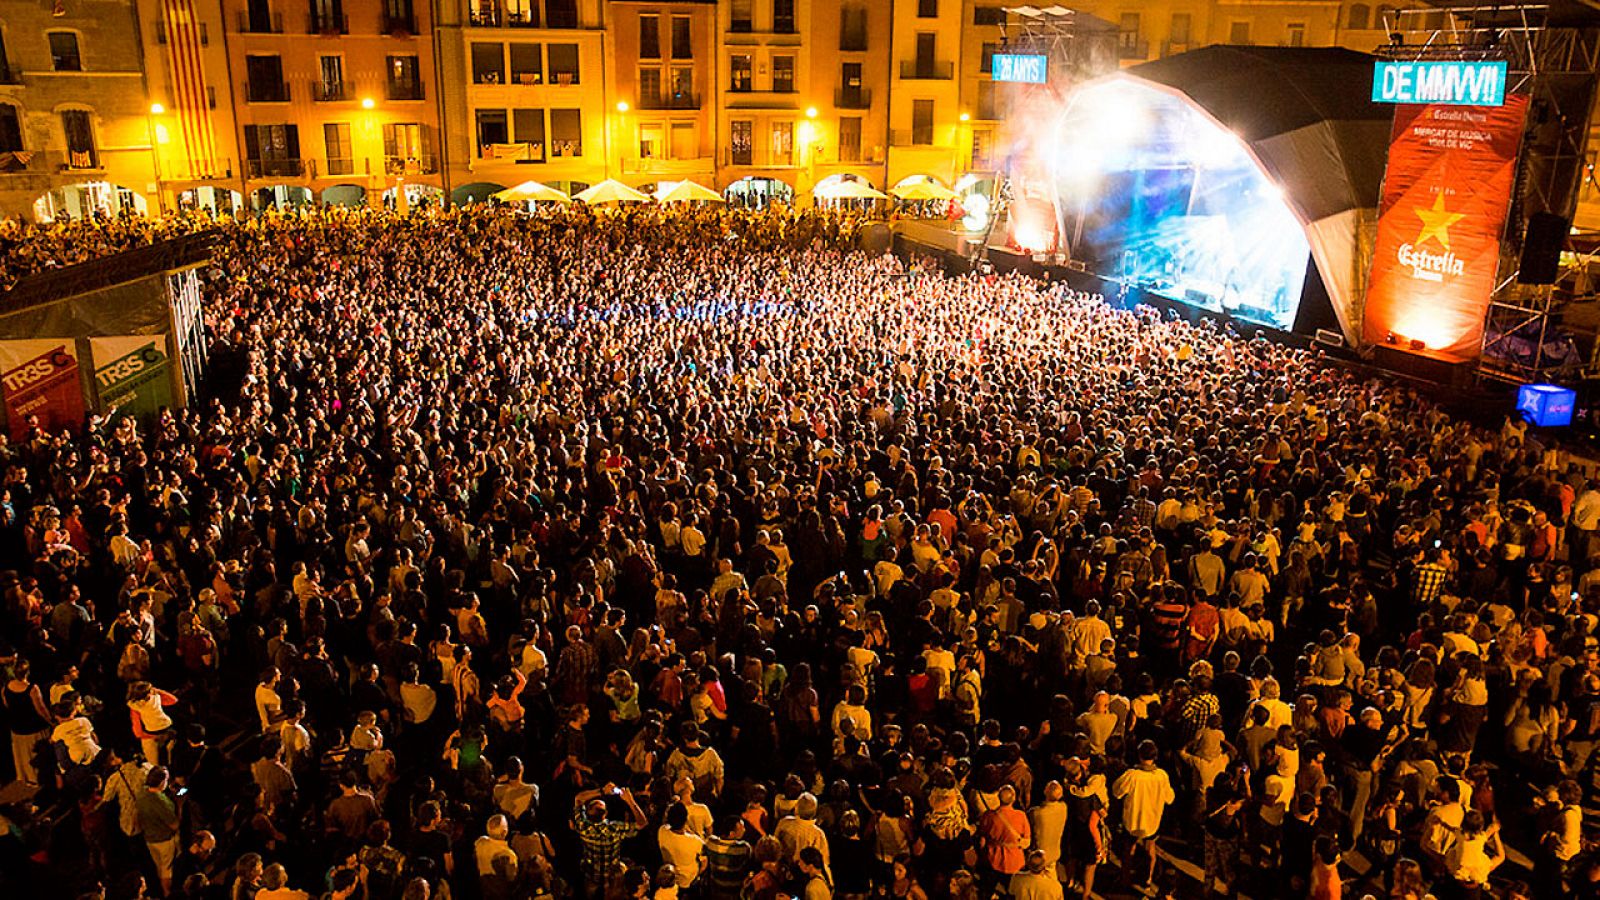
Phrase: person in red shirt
[1006,836]
[1200,629]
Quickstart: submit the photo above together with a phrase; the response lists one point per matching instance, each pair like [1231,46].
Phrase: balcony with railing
[266,91]
[347,165]
[404,90]
[411,165]
[399,25]
[670,100]
[329,24]
[85,160]
[260,23]
[330,91]
[911,137]
[280,168]
[853,98]
[927,70]
[486,17]
[1133,48]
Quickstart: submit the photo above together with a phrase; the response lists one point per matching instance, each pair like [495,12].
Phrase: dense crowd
[699,555]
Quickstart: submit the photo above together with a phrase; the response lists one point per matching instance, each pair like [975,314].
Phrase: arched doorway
[755,192]
[477,192]
[353,195]
[418,196]
[215,200]
[89,198]
[280,196]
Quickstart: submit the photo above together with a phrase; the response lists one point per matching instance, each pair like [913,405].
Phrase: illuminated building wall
[526,89]
[75,124]
[335,100]
[526,94]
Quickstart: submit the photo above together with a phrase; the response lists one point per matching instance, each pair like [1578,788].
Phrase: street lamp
[157,109]
[622,106]
[811,112]
[367,103]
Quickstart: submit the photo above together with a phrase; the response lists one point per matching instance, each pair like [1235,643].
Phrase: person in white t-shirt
[686,852]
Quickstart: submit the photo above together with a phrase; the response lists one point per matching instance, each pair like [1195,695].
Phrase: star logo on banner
[1436,222]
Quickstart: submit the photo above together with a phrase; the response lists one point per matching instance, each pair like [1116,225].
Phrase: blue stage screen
[1153,193]
[1027,68]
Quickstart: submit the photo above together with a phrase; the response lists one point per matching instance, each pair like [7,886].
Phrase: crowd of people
[645,554]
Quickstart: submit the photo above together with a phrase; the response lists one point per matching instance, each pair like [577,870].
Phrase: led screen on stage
[1027,68]
[1155,194]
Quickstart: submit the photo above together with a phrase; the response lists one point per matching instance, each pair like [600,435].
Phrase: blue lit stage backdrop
[1154,193]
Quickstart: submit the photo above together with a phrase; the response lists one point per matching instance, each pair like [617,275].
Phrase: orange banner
[1445,192]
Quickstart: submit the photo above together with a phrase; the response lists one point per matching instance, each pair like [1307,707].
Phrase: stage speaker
[1330,338]
[1541,249]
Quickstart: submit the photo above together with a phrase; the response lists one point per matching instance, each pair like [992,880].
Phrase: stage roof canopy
[1307,116]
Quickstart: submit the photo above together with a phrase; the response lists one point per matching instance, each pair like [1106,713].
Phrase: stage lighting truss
[1553,55]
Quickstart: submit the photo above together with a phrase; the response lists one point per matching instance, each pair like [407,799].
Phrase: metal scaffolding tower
[1552,52]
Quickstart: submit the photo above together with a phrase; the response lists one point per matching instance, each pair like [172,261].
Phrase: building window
[986,57]
[740,141]
[682,86]
[527,64]
[561,14]
[1178,34]
[405,78]
[563,64]
[259,19]
[1128,36]
[1360,16]
[64,52]
[522,13]
[264,80]
[649,37]
[327,17]
[341,156]
[739,78]
[398,17]
[988,15]
[330,83]
[1296,36]
[783,74]
[921,122]
[651,137]
[1239,33]
[10,129]
[566,132]
[273,151]
[682,44]
[740,19]
[649,86]
[853,28]
[684,144]
[406,148]
[927,9]
[491,131]
[782,143]
[783,16]
[488,63]
[987,110]
[527,127]
[850,139]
